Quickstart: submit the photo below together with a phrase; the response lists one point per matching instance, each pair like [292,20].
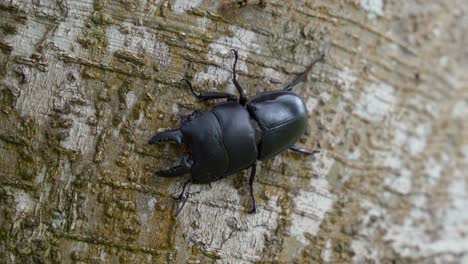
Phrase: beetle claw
[172,172]
[252,211]
[170,135]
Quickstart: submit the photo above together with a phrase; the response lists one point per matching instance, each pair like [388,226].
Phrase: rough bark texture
[85,84]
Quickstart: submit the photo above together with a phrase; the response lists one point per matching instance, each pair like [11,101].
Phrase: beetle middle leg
[243,97]
[251,180]
[211,95]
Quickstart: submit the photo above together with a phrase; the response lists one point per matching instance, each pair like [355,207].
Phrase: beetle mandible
[238,132]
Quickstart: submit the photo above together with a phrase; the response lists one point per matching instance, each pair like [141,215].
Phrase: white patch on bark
[460,110]
[273,76]
[58,219]
[363,247]
[24,203]
[66,175]
[400,183]
[327,252]
[311,104]
[321,166]
[28,36]
[40,177]
[465,152]
[181,6]
[309,213]
[130,100]
[226,232]
[81,136]
[146,207]
[311,206]
[71,96]
[433,170]
[413,239]
[325,96]
[417,142]
[376,102]
[175,109]
[138,41]
[425,230]
[72,27]
[412,139]
[346,79]
[373,7]
[220,53]
[59,89]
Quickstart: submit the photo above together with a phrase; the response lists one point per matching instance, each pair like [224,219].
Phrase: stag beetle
[237,133]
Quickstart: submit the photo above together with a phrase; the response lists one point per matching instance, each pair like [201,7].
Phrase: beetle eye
[192,116]
[186,150]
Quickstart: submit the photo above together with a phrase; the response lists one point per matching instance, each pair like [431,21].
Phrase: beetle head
[185,163]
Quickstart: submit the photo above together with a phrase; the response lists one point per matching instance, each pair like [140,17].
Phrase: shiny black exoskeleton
[237,133]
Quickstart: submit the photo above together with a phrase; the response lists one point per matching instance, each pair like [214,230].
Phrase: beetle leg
[243,98]
[184,167]
[303,75]
[305,151]
[251,179]
[174,135]
[183,190]
[211,95]
[181,198]
[207,96]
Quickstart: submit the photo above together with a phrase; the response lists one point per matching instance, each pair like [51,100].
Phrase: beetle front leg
[211,95]
[251,180]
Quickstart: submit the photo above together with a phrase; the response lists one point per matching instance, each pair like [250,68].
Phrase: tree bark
[85,84]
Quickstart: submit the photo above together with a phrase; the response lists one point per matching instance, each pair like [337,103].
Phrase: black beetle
[237,133]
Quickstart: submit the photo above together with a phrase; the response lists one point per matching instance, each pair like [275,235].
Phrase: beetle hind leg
[170,135]
[305,151]
[178,170]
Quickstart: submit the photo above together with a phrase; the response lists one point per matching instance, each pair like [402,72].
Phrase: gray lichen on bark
[85,84]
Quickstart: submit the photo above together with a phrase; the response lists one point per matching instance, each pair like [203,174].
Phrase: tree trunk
[85,84]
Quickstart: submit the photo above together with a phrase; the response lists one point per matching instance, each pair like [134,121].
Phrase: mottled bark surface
[85,84]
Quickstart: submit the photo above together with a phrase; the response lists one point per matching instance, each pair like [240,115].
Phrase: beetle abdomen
[282,117]
[222,142]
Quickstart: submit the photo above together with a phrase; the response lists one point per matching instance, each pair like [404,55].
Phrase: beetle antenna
[191,88]
[303,75]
